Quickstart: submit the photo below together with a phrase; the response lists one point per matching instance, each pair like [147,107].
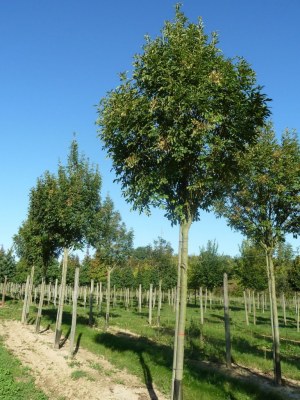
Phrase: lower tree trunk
[176,312]
[246,308]
[159,303]
[4,290]
[39,313]
[107,299]
[74,313]
[91,303]
[227,322]
[178,388]
[150,303]
[274,318]
[61,300]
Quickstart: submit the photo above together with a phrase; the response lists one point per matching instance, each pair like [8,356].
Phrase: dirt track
[53,371]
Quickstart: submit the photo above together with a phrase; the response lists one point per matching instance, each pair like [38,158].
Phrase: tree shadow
[141,346]
[77,344]
[46,329]
[64,340]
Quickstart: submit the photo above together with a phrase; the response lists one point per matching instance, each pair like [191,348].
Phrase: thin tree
[264,203]
[173,129]
[113,245]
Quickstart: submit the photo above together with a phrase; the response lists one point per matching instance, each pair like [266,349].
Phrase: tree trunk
[176,312]
[284,308]
[150,303]
[39,313]
[227,322]
[201,306]
[178,388]
[140,299]
[23,319]
[91,303]
[159,303]
[107,299]
[254,308]
[61,300]
[74,313]
[246,308]
[274,314]
[4,290]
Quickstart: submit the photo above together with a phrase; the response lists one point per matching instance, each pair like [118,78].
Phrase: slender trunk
[107,299]
[74,313]
[159,303]
[227,322]
[4,290]
[246,309]
[284,308]
[273,301]
[100,297]
[178,388]
[91,303]
[150,303]
[23,319]
[140,298]
[39,313]
[55,292]
[298,310]
[205,303]
[201,307]
[254,308]
[176,311]
[29,297]
[61,300]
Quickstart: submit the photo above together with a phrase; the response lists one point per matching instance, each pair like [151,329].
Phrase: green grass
[149,355]
[15,381]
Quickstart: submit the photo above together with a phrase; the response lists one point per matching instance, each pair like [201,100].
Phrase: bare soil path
[86,377]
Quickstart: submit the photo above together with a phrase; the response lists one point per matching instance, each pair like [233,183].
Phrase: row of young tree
[154,263]
[186,131]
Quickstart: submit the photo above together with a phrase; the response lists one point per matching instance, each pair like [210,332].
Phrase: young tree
[209,269]
[263,204]
[250,267]
[7,264]
[174,127]
[114,244]
[62,213]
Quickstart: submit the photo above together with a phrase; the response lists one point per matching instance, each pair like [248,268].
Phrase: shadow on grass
[151,355]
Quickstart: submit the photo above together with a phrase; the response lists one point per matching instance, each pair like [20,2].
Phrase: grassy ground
[149,354]
[15,381]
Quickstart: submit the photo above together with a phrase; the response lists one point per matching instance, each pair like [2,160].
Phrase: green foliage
[7,264]
[173,128]
[155,263]
[62,210]
[294,275]
[114,243]
[250,267]
[283,262]
[264,203]
[123,277]
[207,270]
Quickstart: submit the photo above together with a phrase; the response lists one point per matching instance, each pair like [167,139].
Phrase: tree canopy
[174,126]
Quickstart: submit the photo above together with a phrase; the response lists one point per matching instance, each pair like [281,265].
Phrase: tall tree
[263,204]
[173,129]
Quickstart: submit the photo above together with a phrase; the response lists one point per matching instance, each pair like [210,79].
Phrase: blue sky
[60,57]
